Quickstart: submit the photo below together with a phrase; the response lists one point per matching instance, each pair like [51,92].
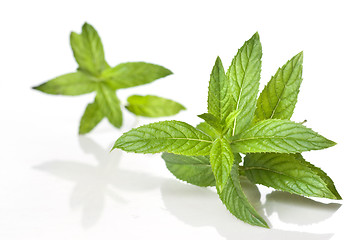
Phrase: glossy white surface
[57,185]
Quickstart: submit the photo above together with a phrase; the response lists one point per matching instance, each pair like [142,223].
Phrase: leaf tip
[255,35]
[300,55]
[86,25]
[38,88]
[113,148]
[337,196]
[218,60]
[332,143]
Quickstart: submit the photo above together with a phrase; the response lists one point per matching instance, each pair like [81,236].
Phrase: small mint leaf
[195,170]
[221,158]
[152,106]
[88,50]
[212,121]
[91,117]
[236,201]
[279,96]
[71,84]
[229,121]
[219,93]
[209,130]
[133,74]
[109,104]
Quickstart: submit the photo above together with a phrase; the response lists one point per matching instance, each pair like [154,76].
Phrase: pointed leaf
[221,159]
[88,50]
[212,121]
[109,104]
[167,136]
[236,201]
[288,173]
[278,98]
[219,93]
[192,169]
[231,118]
[328,181]
[280,136]
[244,75]
[152,106]
[91,117]
[208,129]
[132,74]
[72,84]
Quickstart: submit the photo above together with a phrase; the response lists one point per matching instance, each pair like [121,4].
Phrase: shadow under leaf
[94,183]
[297,209]
[201,207]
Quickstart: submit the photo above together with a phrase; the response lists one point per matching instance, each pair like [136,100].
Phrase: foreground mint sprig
[238,123]
[95,75]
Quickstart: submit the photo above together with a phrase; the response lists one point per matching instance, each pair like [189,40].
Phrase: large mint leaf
[221,158]
[287,172]
[219,93]
[280,136]
[109,104]
[236,201]
[192,169]
[91,117]
[88,50]
[279,96]
[152,106]
[244,75]
[132,74]
[72,84]
[328,181]
[167,136]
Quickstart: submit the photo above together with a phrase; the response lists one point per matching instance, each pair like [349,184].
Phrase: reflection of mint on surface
[237,122]
[95,75]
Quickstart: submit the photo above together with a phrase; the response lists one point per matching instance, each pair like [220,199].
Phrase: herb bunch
[239,123]
[94,74]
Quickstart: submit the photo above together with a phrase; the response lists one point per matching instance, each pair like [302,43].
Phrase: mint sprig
[94,74]
[239,123]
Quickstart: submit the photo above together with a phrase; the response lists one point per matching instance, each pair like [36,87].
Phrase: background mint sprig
[238,123]
[94,74]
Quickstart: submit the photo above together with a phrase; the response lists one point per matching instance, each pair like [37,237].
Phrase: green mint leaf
[231,118]
[72,84]
[167,136]
[91,117]
[287,173]
[280,136]
[208,129]
[279,96]
[212,121]
[219,92]
[236,201]
[109,104]
[244,75]
[221,158]
[88,50]
[152,106]
[195,170]
[328,181]
[133,74]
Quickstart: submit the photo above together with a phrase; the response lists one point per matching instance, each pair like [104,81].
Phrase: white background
[57,185]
